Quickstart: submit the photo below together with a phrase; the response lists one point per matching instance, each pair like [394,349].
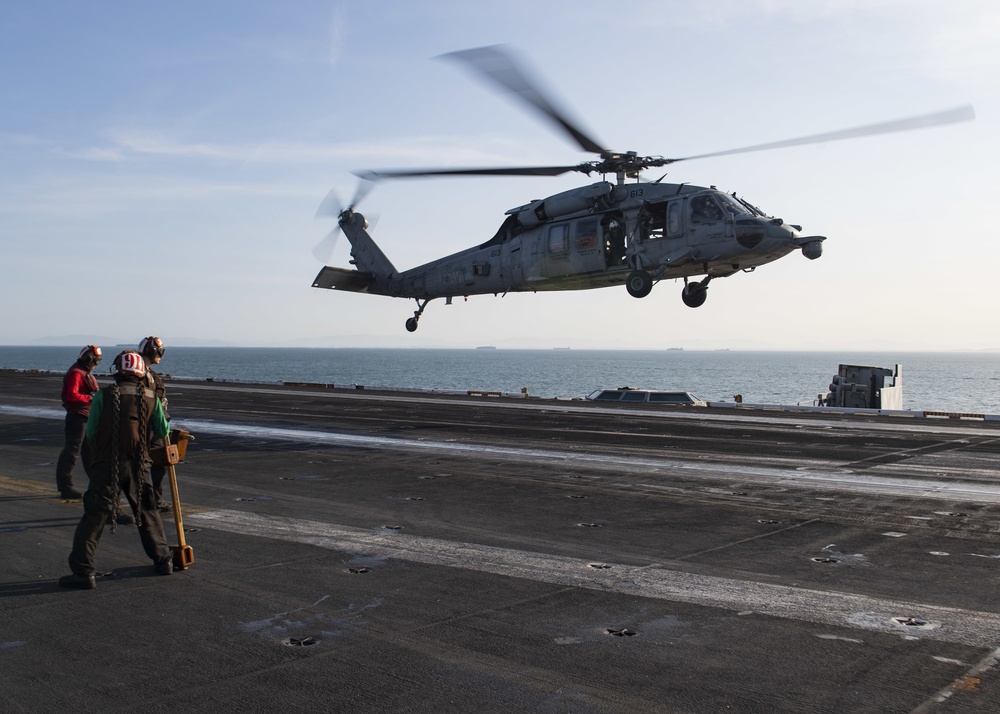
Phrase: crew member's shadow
[41,587]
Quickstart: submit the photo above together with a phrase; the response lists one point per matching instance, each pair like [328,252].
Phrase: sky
[161,165]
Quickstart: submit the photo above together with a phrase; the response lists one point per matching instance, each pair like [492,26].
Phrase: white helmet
[129,364]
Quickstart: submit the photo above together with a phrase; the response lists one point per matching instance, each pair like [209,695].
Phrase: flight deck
[409,552]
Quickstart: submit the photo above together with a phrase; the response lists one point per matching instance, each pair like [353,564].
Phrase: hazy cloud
[129,144]
[338,25]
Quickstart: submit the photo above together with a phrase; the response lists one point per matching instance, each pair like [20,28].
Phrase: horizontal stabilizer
[353,281]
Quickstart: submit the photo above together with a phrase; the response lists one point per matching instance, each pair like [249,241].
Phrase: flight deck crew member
[78,387]
[152,349]
[123,418]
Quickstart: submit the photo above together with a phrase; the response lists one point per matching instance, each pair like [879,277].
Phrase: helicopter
[609,233]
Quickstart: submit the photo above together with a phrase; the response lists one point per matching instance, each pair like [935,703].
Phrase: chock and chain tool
[183,553]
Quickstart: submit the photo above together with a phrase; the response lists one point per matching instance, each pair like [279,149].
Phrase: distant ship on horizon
[486,347]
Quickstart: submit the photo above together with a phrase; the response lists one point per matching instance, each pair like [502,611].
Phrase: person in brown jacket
[151,348]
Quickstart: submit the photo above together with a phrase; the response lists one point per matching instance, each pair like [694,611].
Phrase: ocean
[967,382]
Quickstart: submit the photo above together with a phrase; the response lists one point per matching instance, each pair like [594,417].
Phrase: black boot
[78,581]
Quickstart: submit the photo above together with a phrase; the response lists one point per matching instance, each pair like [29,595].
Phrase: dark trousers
[98,502]
[75,447]
[157,472]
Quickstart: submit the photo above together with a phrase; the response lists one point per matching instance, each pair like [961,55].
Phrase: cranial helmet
[90,356]
[151,347]
[129,364]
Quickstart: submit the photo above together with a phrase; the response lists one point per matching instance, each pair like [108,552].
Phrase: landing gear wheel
[694,294]
[639,283]
[411,324]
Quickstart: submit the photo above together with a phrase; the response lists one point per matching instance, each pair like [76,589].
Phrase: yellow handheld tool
[183,553]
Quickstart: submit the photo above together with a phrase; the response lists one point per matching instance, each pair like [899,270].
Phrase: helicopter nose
[750,232]
[777,228]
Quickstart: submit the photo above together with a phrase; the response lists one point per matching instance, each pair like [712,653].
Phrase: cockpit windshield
[751,209]
[732,205]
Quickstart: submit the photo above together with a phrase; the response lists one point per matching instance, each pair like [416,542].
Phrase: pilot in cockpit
[705,210]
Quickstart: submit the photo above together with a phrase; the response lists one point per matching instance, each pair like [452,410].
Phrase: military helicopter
[601,235]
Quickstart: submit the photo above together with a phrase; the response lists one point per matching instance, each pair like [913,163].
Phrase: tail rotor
[332,207]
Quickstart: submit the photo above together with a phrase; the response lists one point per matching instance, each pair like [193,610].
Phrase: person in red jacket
[78,386]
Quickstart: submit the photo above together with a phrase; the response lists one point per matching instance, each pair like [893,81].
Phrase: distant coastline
[78,341]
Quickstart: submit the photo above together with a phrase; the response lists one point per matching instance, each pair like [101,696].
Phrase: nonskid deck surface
[406,552]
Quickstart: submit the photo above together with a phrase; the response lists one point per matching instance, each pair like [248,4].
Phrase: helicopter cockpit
[665,219]
[704,209]
[713,207]
[734,205]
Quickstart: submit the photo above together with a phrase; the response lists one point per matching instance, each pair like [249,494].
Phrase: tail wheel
[639,283]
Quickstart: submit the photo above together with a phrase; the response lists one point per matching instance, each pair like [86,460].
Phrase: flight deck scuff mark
[802,477]
[815,476]
[840,609]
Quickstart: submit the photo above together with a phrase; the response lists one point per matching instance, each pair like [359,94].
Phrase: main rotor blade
[923,121]
[496,64]
[499,171]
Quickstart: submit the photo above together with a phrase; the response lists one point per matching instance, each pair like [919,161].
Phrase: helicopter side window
[586,236]
[674,219]
[704,209]
[559,240]
[652,221]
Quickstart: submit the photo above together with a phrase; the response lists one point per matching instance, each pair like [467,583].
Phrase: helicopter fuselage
[590,237]
[599,235]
